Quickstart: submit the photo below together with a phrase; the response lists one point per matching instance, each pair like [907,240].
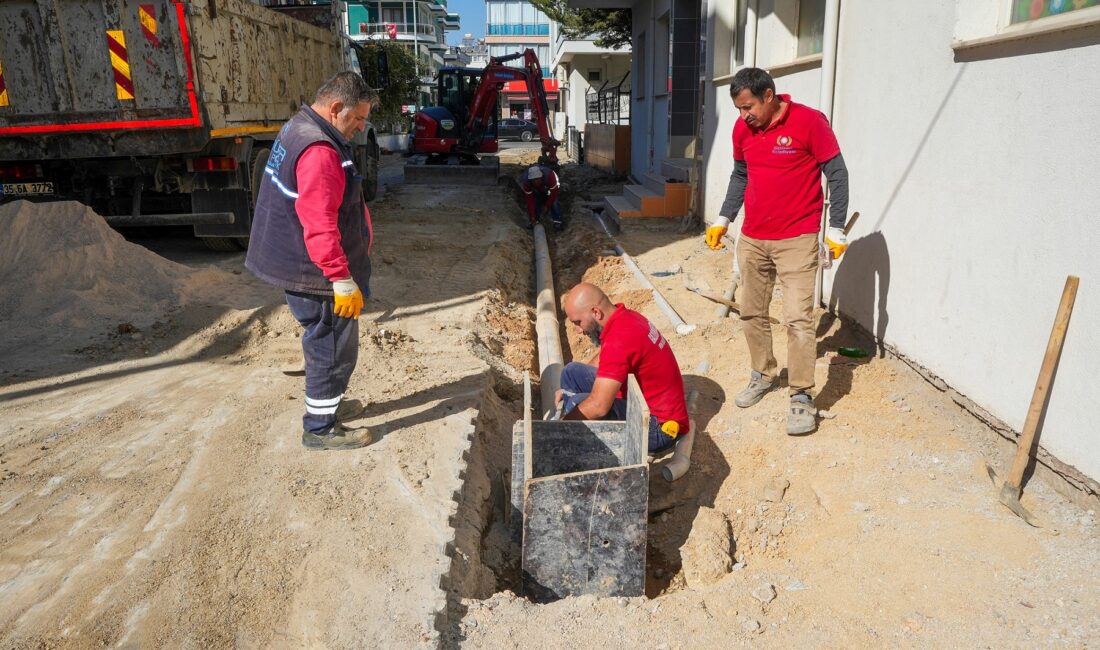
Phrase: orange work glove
[349,299]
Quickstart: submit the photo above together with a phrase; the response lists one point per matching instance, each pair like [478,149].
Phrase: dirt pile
[706,554]
[62,266]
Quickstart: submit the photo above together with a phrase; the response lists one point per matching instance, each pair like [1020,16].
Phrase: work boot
[755,391]
[350,409]
[339,437]
[803,416]
[559,226]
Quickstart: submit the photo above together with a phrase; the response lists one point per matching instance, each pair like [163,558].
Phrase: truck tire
[367,161]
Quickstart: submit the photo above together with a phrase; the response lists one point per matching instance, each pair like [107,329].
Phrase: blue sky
[472,13]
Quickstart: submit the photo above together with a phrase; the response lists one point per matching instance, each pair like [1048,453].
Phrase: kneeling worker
[540,188]
[628,344]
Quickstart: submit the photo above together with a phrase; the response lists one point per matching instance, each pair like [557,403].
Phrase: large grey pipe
[546,325]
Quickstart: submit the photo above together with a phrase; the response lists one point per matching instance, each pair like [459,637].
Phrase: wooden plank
[637,424]
[585,533]
[565,447]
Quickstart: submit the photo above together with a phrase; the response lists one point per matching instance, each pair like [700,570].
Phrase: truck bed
[102,78]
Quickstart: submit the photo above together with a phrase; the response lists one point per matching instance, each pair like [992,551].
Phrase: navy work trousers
[330,345]
[577,380]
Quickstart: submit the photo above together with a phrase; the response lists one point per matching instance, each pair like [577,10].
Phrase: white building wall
[976,176]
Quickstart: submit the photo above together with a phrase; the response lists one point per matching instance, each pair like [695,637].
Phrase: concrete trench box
[579,502]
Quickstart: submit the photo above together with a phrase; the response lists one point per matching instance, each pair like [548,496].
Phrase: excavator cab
[440,129]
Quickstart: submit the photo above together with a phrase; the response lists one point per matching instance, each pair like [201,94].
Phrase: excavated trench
[484,560]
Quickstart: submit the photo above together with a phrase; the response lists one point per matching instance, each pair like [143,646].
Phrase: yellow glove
[714,237]
[837,241]
[349,299]
[671,428]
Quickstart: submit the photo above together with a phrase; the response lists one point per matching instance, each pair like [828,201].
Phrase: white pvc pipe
[546,325]
[682,328]
[681,457]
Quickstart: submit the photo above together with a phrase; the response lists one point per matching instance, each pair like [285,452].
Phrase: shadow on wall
[861,288]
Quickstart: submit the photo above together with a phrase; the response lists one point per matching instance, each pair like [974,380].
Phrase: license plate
[25,189]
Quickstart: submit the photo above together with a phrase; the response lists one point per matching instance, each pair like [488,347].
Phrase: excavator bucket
[453,170]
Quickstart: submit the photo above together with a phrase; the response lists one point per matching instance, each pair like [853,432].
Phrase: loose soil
[154,493]
[881,529]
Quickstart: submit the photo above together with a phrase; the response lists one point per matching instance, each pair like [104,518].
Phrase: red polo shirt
[630,344]
[783,197]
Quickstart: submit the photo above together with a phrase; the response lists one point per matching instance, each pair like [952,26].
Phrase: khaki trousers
[795,262]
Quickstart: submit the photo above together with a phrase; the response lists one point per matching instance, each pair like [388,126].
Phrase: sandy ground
[888,534]
[153,491]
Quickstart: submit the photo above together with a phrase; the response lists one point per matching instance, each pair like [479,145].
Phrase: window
[392,15]
[595,76]
[811,27]
[1025,10]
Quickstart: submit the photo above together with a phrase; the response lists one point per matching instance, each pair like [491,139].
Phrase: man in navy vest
[311,236]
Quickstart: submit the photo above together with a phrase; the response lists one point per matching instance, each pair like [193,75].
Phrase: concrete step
[652,204]
[655,183]
[678,169]
[617,207]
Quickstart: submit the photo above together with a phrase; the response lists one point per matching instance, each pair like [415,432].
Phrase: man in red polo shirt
[628,344]
[780,149]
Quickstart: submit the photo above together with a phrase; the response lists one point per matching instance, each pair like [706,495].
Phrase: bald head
[588,308]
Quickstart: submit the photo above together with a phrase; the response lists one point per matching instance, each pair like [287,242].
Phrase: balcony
[517,29]
[451,22]
[421,32]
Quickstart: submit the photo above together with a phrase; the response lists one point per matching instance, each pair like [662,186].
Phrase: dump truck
[160,112]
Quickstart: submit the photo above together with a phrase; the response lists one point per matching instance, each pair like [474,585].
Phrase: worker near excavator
[540,188]
[311,236]
[780,149]
[628,345]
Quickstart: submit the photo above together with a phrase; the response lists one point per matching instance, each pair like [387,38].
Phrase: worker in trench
[628,344]
[311,236]
[780,149]
[540,189]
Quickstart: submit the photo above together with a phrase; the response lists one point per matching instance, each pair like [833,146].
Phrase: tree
[389,67]
[612,25]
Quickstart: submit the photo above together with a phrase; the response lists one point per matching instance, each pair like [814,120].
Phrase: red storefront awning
[549,85]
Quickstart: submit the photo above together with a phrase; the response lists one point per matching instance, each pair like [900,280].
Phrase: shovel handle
[1026,442]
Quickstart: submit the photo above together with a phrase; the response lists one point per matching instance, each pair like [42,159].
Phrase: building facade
[420,24]
[973,208]
[513,26]
[594,83]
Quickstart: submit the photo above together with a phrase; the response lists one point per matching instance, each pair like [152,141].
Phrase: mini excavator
[451,141]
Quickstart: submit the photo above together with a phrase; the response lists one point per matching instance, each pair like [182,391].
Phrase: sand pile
[62,266]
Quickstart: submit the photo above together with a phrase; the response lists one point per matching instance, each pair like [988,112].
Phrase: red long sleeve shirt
[549,190]
[321,185]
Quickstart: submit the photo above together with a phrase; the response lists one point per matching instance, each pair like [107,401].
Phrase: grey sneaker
[755,391]
[803,416]
[340,437]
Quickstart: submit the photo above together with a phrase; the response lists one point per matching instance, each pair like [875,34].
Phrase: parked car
[516,128]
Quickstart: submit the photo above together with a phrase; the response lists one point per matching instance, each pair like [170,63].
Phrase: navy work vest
[276,249]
